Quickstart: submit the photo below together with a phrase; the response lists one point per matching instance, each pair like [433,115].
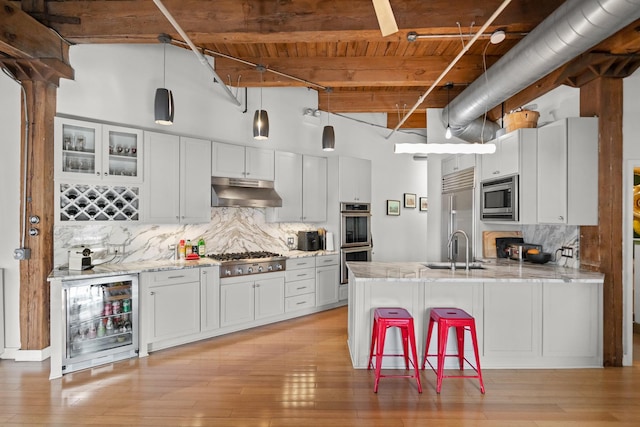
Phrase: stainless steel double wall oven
[355,235]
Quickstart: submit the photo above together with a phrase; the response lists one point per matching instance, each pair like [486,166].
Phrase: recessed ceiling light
[498,36]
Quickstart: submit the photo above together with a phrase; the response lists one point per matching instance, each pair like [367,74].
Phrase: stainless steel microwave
[499,199]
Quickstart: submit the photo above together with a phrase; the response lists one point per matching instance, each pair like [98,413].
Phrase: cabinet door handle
[152,293]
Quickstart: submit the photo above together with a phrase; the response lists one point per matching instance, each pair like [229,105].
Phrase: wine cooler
[101,321]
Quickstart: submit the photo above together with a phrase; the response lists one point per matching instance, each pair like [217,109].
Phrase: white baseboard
[27,355]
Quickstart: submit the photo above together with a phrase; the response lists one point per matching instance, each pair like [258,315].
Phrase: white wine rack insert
[82,202]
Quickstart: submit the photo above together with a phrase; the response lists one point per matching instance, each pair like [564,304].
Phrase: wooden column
[601,245]
[34,289]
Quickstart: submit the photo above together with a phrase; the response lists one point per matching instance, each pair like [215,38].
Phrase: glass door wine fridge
[101,321]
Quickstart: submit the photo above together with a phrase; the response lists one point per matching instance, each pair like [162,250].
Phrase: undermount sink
[447,266]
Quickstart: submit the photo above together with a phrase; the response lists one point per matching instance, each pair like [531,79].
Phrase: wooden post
[601,245]
[34,288]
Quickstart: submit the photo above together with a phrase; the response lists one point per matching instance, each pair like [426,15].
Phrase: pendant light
[447,133]
[328,134]
[260,118]
[163,104]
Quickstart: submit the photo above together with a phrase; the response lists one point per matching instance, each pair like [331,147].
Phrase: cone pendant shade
[328,139]
[261,125]
[163,106]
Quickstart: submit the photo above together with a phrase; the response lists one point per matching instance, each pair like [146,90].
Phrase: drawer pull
[301,287]
[301,302]
[175,277]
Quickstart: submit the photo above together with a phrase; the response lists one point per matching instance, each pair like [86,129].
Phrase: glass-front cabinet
[87,151]
[100,321]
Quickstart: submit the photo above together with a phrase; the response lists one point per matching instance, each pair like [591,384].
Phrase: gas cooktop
[246,263]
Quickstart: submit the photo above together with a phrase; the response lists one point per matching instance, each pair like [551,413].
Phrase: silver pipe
[573,28]
[195,50]
[464,50]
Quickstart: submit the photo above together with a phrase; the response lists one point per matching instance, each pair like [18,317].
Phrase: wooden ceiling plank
[272,22]
[417,120]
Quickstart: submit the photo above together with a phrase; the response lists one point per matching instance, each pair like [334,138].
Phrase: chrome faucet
[452,258]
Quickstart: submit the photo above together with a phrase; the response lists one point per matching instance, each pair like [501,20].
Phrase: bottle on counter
[201,248]
[188,248]
[181,250]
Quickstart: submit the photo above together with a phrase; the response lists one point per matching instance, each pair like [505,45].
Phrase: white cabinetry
[355,180]
[244,299]
[209,298]
[301,181]
[237,161]
[516,154]
[327,279]
[512,322]
[300,284]
[568,172]
[89,152]
[458,162]
[177,179]
[171,305]
[570,331]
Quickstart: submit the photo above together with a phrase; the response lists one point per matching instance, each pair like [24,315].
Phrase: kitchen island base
[522,322]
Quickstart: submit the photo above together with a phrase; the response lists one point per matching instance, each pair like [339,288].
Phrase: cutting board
[489,241]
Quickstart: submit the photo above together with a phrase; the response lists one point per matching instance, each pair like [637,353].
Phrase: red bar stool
[384,318]
[461,320]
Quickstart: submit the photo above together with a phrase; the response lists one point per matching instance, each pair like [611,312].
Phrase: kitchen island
[527,315]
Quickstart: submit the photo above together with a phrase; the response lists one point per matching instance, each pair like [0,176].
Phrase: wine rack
[83,202]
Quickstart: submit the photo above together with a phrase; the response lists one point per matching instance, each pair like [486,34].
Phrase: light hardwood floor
[298,373]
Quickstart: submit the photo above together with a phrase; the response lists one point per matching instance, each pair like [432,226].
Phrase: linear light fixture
[434,148]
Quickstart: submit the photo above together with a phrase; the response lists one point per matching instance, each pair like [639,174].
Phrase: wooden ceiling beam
[417,120]
[352,72]
[249,21]
[24,37]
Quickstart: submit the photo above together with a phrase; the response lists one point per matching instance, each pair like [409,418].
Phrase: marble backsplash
[552,238]
[230,230]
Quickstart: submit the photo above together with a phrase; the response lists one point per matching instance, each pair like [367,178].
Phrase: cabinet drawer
[174,276]
[298,263]
[326,260]
[294,275]
[300,302]
[299,287]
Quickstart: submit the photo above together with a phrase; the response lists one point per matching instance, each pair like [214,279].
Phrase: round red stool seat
[447,318]
[384,318]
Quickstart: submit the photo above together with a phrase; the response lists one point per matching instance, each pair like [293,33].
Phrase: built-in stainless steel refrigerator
[458,203]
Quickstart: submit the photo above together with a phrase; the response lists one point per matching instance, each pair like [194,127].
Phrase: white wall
[10,123]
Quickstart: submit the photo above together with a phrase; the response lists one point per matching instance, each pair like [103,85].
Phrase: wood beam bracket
[590,66]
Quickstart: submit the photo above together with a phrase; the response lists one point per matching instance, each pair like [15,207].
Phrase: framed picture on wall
[393,207]
[409,200]
[423,204]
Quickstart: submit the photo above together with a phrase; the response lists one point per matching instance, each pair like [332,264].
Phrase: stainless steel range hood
[242,192]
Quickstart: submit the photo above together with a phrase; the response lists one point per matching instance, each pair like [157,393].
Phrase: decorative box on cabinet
[237,161]
[355,180]
[568,172]
[177,187]
[300,284]
[87,151]
[301,181]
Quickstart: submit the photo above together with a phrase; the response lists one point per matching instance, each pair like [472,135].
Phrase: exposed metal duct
[576,26]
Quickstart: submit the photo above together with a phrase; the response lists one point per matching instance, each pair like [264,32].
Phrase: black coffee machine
[309,241]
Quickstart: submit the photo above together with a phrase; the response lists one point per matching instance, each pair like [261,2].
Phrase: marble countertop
[495,271]
[112,269]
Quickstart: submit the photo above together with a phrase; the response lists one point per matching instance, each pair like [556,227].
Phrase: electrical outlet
[290,241]
[567,251]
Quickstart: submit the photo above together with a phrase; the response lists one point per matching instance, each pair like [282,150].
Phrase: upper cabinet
[509,155]
[568,172]
[177,186]
[237,161]
[458,162]
[355,180]
[89,152]
[301,181]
